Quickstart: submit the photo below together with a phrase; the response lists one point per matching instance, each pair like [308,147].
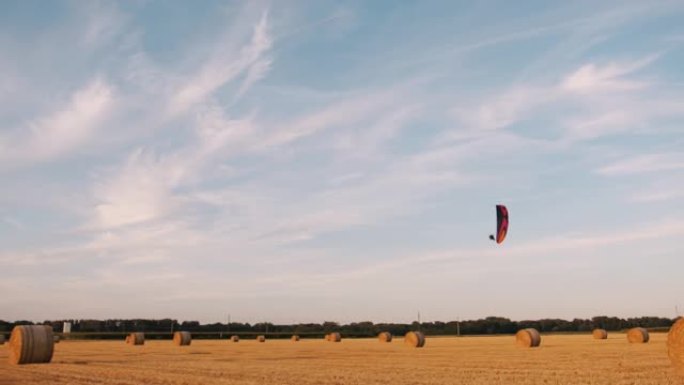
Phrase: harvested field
[566,360]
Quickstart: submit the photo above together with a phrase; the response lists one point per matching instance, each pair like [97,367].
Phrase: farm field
[561,359]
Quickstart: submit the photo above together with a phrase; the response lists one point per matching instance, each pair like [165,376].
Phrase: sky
[309,161]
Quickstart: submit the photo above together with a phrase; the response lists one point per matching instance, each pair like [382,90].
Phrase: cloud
[177,176]
[601,123]
[259,67]
[143,187]
[218,132]
[224,67]
[664,228]
[68,129]
[350,110]
[368,140]
[138,192]
[659,195]
[504,108]
[14,223]
[591,78]
[256,72]
[393,190]
[646,163]
[552,249]
[103,22]
[588,103]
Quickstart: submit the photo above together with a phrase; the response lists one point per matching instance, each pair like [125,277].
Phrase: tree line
[484,326]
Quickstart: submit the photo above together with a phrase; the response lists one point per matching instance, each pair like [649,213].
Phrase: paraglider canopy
[501,224]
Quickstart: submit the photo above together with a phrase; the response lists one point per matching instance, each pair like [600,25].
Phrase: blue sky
[322,160]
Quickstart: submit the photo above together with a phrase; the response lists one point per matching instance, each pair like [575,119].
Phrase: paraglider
[501,224]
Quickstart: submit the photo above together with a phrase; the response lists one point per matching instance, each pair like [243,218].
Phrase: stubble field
[576,359]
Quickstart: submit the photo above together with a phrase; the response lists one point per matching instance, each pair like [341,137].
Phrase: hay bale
[235,338]
[385,337]
[675,345]
[637,336]
[599,334]
[327,337]
[528,338]
[295,338]
[31,344]
[261,338]
[415,339]
[182,338]
[56,339]
[136,339]
[2,339]
[335,337]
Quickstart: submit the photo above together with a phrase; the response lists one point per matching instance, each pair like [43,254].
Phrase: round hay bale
[675,346]
[335,337]
[415,339]
[261,338]
[31,344]
[56,339]
[2,339]
[182,338]
[528,338]
[599,334]
[235,338]
[385,337]
[295,338]
[327,337]
[637,336]
[136,339]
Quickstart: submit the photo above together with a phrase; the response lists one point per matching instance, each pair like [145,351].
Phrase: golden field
[561,359]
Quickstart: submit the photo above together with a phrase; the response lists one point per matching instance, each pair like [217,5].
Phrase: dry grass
[566,360]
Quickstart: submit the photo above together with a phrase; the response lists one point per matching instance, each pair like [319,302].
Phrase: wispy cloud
[593,101]
[224,67]
[103,23]
[609,78]
[585,246]
[504,109]
[64,130]
[311,142]
[658,195]
[139,192]
[646,163]
[350,110]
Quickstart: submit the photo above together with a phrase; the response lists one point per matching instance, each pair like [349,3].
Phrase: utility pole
[419,323]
